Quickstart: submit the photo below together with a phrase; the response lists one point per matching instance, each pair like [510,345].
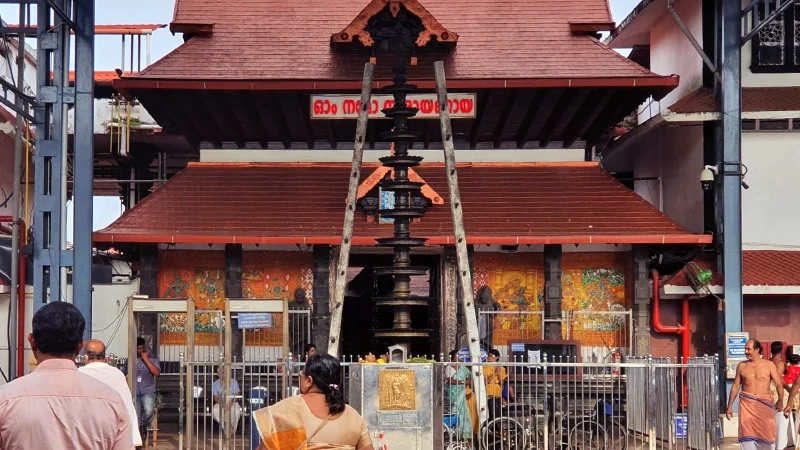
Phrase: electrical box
[734,352]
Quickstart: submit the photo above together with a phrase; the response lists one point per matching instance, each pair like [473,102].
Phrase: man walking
[96,367]
[57,406]
[147,369]
[756,410]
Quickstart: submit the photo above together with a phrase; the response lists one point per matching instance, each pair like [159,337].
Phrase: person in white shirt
[219,395]
[97,368]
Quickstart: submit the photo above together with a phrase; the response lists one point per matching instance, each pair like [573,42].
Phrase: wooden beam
[502,124]
[527,121]
[549,128]
[276,109]
[427,134]
[305,117]
[349,214]
[179,120]
[229,116]
[462,257]
[581,117]
[616,102]
[180,114]
[371,132]
[257,118]
[193,106]
[481,116]
[332,134]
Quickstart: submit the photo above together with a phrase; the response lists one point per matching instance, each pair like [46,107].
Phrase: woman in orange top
[496,377]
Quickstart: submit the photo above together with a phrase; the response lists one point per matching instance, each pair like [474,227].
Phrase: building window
[776,48]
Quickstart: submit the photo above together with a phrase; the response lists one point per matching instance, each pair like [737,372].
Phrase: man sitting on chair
[219,395]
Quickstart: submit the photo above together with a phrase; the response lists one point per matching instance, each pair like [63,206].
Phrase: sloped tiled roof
[753,100]
[759,268]
[290,39]
[771,268]
[280,203]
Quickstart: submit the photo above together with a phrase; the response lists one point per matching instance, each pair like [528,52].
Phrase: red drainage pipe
[20,297]
[681,329]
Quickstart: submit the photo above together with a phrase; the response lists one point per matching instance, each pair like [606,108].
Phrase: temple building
[265,92]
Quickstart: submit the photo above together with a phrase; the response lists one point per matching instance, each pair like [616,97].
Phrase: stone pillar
[148,285]
[448,311]
[148,272]
[322,292]
[552,291]
[641,300]
[233,289]
[233,271]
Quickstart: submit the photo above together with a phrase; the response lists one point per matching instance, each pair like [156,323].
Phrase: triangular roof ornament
[432,27]
[375,177]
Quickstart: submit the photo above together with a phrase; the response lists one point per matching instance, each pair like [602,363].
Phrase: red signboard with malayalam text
[461,106]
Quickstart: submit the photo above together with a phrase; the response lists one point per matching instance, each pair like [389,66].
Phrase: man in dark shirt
[147,369]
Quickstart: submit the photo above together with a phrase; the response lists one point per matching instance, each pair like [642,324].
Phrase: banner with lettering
[461,106]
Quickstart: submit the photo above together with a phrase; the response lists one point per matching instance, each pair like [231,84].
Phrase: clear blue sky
[108,56]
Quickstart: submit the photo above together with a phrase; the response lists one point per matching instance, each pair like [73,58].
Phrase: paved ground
[168,440]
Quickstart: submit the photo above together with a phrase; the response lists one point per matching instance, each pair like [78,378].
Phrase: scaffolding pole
[16,298]
[54,95]
[337,303]
[462,258]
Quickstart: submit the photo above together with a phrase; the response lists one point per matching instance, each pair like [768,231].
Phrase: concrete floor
[168,440]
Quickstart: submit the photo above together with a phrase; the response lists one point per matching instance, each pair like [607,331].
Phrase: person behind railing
[97,367]
[498,391]
[309,351]
[147,369]
[792,410]
[220,396]
[458,380]
[318,419]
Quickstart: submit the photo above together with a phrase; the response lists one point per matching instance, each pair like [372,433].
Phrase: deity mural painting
[200,277]
[595,283]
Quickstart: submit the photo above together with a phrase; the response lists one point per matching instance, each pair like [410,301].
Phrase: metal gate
[253,367]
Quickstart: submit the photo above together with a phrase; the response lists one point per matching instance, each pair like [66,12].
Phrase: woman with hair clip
[318,419]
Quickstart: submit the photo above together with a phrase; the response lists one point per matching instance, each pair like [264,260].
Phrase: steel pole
[83,166]
[731,166]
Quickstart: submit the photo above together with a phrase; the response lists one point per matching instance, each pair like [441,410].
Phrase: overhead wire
[114,320]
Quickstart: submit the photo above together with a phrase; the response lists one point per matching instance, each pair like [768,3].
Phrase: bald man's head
[95,350]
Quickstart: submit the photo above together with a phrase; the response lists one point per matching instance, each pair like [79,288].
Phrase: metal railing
[498,328]
[249,349]
[643,403]
[602,334]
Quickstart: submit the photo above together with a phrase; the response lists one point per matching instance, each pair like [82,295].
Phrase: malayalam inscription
[397,390]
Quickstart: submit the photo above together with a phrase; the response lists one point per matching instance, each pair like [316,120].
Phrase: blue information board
[681,426]
[255,320]
[736,344]
[463,355]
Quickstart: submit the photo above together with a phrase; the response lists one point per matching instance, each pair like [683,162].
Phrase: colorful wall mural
[517,284]
[594,284]
[200,276]
[591,282]
[270,275]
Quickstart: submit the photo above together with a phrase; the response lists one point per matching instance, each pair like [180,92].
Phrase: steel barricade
[497,328]
[223,418]
[604,335]
[564,404]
